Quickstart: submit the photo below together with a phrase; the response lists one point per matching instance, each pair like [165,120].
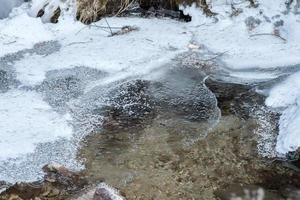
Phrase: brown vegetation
[89,11]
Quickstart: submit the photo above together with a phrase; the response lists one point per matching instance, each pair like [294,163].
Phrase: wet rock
[105,192]
[101,194]
[130,104]
[58,183]
[238,99]
[179,90]
[182,91]
[3,186]
[227,94]
[293,159]
[56,173]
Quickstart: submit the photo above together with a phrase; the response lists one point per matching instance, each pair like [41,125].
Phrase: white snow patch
[243,49]
[22,32]
[286,97]
[27,120]
[131,54]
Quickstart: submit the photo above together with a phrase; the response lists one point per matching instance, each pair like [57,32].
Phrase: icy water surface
[169,156]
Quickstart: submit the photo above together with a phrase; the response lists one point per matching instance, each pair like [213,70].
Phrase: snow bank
[286,97]
[22,32]
[244,49]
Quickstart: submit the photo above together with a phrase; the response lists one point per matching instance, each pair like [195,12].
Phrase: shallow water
[170,157]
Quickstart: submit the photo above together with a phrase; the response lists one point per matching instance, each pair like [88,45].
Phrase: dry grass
[89,11]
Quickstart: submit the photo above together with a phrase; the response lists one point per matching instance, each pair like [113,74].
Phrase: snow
[92,48]
[48,6]
[231,35]
[27,120]
[286,96]
[21,32]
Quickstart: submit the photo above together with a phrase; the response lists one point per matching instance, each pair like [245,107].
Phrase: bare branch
[272,34]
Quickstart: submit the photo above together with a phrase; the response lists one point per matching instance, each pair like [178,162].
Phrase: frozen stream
[56,79]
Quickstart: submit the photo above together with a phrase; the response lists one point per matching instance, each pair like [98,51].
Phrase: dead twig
[73,43]
[272,34]
[108,25]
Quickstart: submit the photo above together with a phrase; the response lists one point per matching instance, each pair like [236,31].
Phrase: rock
[3,186]
[55,16]
[293,159]
[58,174]
[101,194]
[105,192]
[181,91]
[48,11]
[40,13]
[129,105]
[57,183]
[228,95]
